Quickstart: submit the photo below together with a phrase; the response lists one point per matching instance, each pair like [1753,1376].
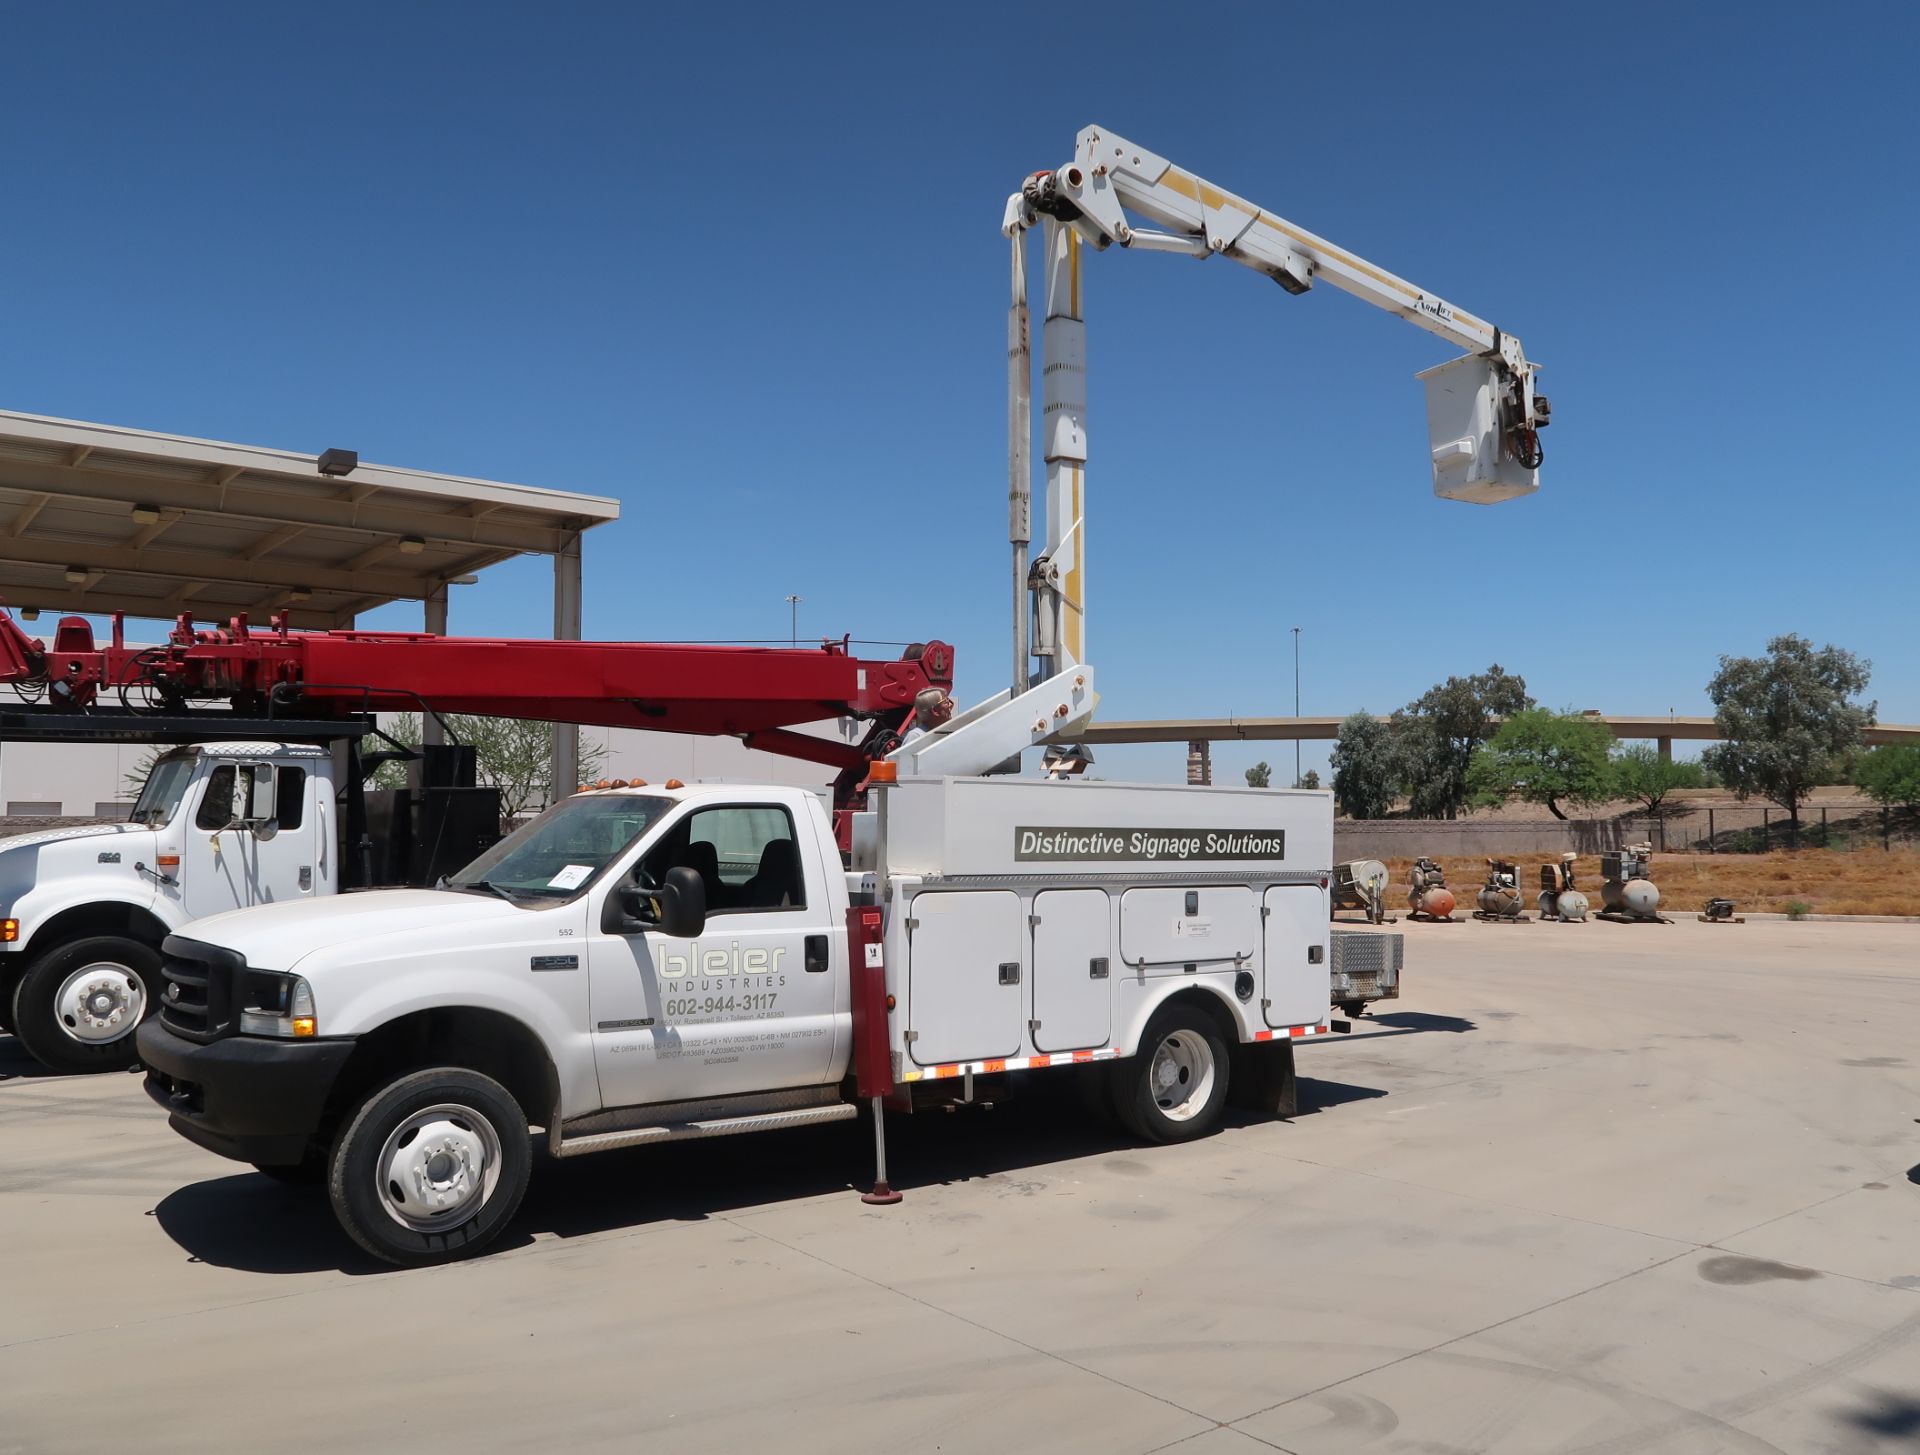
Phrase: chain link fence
[1753,828]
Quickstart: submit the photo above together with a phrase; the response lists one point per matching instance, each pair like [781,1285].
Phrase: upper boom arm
[1111,177]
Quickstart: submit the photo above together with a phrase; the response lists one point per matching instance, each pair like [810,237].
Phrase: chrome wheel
[99,1003]
[437,1167]
[1180,1078]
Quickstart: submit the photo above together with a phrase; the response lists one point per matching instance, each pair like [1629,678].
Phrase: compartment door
[966,976]
[1072,970]
[1166,930]
[1297,973]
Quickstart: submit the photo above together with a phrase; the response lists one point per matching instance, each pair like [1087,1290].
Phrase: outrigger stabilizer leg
[882,1195]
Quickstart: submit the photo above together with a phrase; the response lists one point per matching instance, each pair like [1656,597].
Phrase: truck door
[283,867]
[212,876]
[223,866]
[1296,971]
[756,1001]
[1072,963]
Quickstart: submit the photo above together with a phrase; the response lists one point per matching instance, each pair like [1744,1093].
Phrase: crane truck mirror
[253,800]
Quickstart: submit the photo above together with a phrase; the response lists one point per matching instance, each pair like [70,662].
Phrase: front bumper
[245,1097]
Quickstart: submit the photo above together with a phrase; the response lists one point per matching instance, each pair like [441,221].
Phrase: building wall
[88,780]
[69,779]
[1409,838]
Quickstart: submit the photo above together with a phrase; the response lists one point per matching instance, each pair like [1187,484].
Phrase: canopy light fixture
[146,514]
[411,545]
[338,462]
[76,575]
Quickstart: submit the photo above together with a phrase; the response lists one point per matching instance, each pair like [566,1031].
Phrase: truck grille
[202,984]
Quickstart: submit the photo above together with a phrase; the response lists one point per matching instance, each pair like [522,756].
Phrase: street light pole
[1296,706]
[793,619]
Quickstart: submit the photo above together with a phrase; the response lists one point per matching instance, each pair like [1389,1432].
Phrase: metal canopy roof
[98,518]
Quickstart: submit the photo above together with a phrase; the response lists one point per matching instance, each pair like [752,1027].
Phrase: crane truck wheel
[1175,1088]
[431,1168]
[77,1006]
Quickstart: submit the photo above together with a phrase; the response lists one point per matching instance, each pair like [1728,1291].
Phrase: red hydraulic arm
[756,693]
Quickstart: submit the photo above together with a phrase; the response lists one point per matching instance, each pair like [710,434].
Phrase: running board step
[710,1127]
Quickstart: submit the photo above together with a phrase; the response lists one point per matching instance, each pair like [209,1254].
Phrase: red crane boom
[758,694]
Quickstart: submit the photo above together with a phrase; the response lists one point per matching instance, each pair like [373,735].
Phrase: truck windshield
[560,852]
[166,786]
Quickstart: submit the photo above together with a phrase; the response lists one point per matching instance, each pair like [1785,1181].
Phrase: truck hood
[61,836]
[95,860]
[278,936]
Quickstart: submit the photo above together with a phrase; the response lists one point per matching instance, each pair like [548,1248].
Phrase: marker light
[9,931]
[673,783]
[884,771]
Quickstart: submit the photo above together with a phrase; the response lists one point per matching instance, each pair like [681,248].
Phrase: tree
[514,755]
[1785,719]
[1309,779]
[1366,764]
[1891,775]
[1543,757]
[1439,731]
[135,778]
[1640,773]
[1259,776]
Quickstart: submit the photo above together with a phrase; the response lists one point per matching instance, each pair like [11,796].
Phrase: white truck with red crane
[649,964]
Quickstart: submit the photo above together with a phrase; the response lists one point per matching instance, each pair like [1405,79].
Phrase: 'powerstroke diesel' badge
[1147,846]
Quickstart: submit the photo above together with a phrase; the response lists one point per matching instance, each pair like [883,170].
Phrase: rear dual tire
[1175,1088]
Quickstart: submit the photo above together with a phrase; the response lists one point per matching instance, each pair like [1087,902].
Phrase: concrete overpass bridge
[1662,729]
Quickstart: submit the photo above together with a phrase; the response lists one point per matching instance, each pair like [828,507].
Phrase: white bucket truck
[645,965]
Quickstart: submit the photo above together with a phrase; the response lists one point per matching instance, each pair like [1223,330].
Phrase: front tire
[1175,1089]
[9,982]
[431,1168]
[77,1006]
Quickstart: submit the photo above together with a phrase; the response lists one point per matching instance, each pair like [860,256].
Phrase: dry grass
[1866,881]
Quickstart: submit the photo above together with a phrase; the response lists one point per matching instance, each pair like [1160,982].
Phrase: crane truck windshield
[564,849]
[166,785]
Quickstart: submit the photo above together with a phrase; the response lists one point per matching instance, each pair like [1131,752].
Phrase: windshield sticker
[571,877]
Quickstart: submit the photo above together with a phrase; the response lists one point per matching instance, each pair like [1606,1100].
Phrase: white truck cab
[83,911]
[652,964]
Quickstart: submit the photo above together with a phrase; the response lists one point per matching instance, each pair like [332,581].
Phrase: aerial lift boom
[1483,413]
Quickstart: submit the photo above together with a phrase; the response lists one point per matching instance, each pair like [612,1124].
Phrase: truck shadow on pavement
[15,1062]
[1407,1021]
[249,1222]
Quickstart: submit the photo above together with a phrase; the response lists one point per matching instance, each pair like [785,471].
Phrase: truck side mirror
[683,903]
[254,800]
[677,908]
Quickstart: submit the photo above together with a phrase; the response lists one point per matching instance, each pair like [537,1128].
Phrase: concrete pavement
[1590,1188]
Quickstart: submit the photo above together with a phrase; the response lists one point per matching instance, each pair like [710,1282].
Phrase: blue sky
[740,267]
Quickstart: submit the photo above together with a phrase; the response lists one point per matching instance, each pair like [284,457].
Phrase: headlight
[278,1005]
